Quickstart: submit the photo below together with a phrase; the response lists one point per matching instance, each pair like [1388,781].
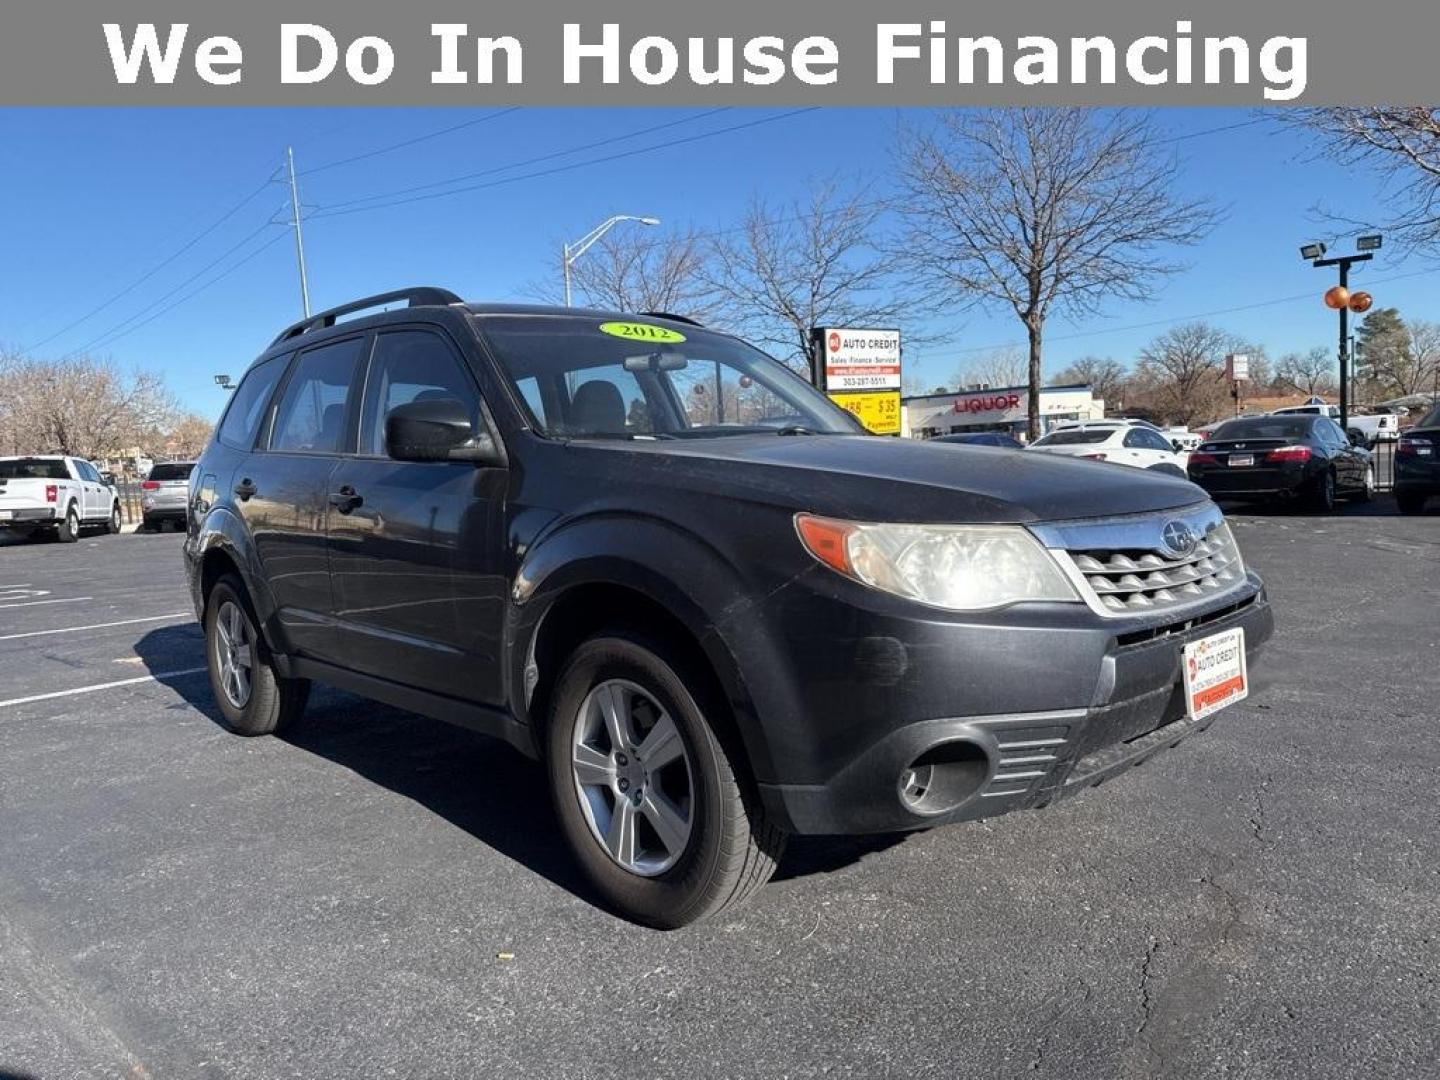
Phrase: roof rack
[673,318]
[420,296]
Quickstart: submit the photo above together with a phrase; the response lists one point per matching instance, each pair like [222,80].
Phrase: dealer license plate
[1241,461]
[1215,673]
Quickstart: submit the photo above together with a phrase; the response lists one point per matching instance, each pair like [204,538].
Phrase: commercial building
[1006,409]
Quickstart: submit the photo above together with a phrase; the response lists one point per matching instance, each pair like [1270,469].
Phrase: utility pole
[299,233]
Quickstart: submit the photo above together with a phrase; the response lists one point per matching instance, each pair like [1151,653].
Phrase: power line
[199,289]
[127,290]
[410,142]
[106,337]
[1155,323]
[617,156]
[527,161]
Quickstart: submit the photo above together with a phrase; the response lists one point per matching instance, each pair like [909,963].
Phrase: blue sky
[97,199]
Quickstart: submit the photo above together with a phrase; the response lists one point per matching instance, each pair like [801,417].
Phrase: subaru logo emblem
[1179,537]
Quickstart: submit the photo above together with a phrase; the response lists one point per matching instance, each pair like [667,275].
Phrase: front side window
[311,416]
[411,365]
[241,422]
[642,381]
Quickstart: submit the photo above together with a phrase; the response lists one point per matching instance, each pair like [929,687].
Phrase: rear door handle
[245,489]
[345,499]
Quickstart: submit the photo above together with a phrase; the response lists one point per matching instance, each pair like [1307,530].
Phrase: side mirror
[1358,438]
[1177,446]
[438,430]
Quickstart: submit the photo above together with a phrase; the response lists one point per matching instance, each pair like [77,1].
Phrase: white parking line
[97,626]
[22,585]
[101,686]
[37,603]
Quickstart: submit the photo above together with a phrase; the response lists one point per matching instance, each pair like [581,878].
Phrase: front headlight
[955,567]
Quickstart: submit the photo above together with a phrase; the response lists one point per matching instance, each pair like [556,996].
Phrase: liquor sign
[860,370]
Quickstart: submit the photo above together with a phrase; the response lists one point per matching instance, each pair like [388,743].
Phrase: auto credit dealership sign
[860,370]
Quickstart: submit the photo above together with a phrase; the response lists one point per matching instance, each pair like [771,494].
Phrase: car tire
[114,523]
[697,839]
[1411,504]
[1322,492]
[68,531]
[252,697]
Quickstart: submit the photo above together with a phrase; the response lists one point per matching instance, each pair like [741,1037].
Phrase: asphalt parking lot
[380,895]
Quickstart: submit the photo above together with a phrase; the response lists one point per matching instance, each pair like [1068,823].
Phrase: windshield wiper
[795,429]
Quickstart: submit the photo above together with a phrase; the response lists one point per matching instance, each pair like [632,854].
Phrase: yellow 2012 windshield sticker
[634,331]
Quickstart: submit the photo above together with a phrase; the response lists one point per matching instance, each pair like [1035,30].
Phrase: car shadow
[476,783]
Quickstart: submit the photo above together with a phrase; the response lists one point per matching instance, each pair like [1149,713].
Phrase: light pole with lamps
[1340,299]
[579,247]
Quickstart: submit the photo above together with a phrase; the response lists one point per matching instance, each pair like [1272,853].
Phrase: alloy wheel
[233,654]
[633,777]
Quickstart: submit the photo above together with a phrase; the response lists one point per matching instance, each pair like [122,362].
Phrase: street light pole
[1314,253]
[573,251]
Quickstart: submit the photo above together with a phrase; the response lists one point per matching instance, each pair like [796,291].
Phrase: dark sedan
[1417,464]
[1283,457]
[982,438]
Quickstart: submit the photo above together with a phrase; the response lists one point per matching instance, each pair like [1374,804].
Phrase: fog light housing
[944,777]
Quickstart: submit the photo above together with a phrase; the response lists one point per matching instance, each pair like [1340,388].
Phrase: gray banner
[56,52]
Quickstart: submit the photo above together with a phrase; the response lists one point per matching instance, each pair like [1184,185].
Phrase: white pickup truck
[56,494]
[1382,427]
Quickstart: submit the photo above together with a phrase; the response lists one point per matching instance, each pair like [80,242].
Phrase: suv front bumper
[1031,758]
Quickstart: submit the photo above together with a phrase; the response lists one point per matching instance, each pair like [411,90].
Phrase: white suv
[1119,442]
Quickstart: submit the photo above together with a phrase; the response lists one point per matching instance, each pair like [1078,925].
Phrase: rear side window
[242,419]
[411,365]
[311,416]
[1076,437]
[32,469]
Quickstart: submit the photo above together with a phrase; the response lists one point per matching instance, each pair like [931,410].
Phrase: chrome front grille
[1150,564]
[1139,580]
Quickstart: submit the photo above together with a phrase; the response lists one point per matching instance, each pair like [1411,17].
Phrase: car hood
[887,479]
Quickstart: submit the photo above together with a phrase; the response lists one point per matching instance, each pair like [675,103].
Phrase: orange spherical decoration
[1337,298]
[1360,302]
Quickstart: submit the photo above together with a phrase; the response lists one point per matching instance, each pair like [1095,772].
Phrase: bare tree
[1043,209]
[811,262]
[999,367]
[1402,144]
[1182,372]
[85,407]
[1425,349]
[1106,377]
[645,270]
[187,436]
[1310,373]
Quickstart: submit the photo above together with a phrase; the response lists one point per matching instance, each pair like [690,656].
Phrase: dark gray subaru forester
[651,556]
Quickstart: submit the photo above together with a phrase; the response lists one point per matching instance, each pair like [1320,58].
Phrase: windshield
[33,469]
[1263,427]
[1431,420]
[1075,437]
[583,377]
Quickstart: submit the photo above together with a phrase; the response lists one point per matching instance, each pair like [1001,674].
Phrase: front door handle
[345,499]
[246,489]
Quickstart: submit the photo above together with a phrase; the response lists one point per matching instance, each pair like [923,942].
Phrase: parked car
[716,628]
[1138,445]
[1417,464]
[52,494]
[982,438]
[1291,456]
[164,495]
[1381,427]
